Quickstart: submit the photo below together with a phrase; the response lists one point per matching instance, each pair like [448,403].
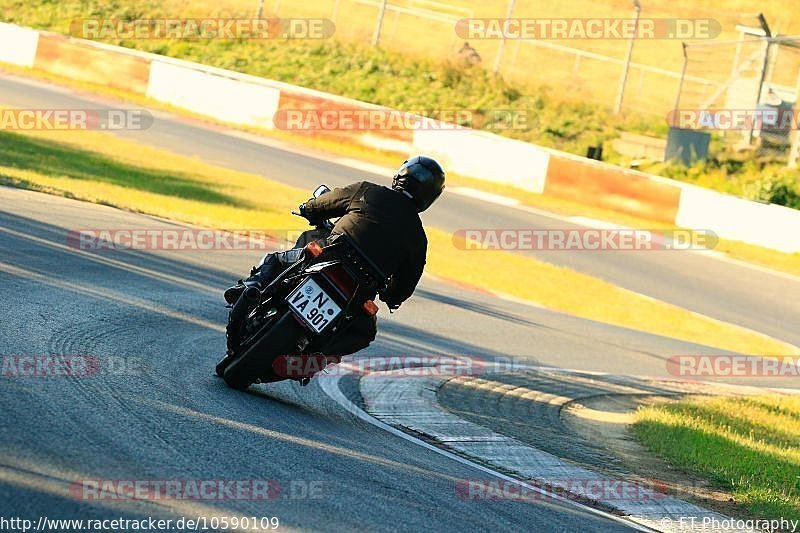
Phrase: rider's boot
[259,278]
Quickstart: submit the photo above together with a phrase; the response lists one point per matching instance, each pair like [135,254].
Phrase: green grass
[747,446]
[554,115]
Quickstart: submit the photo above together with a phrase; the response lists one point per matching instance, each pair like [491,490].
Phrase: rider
[385,225]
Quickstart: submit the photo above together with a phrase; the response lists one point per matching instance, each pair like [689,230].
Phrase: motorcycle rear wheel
[256,361]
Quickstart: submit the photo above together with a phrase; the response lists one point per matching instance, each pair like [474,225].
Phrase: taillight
[314,248]
[370,308]
[339,277]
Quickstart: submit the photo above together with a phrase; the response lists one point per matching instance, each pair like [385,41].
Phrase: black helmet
[422,178]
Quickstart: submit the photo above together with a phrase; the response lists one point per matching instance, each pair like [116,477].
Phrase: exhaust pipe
[243,305]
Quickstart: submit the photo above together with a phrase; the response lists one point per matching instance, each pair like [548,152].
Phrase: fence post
[764,67]
[376,37]
[624,79]
[680,86]
[794,151]
[499,57]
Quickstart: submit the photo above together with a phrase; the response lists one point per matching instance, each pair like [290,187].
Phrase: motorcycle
[301,312]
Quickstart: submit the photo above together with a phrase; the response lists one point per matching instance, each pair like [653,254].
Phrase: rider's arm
[405,280]
[332,204]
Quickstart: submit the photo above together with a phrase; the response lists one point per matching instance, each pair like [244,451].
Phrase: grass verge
[101,168]
[747,446]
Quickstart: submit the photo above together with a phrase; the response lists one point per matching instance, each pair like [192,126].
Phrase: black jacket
[385,224]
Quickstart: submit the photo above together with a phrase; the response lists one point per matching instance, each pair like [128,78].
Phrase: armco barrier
[248,100]
[735,218]
[82,61]
[223,98]
[603,185]
[18,45]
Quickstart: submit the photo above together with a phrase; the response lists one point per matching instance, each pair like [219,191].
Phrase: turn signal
[370,308]
[314,249]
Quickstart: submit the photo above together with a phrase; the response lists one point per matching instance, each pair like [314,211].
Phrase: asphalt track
[160,414]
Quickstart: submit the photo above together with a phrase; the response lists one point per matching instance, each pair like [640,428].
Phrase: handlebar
[325,224]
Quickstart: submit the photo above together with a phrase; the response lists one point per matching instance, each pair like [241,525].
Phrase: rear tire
[221,365]
[256,362]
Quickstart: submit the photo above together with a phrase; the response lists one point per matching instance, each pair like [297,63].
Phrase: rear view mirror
[319,191]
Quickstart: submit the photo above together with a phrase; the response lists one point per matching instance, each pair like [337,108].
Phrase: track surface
[166,417]
[740,295]
[175,420]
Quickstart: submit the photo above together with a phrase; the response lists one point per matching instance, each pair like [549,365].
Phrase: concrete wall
[587,181]
[18,45]
[226,99]
[731,217]
[352,115]
[486,156]
[81,61]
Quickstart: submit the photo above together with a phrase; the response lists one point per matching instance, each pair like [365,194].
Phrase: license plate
[313,305]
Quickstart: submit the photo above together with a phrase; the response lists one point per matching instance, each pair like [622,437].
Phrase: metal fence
[427,28]
[750,102]
[748,73]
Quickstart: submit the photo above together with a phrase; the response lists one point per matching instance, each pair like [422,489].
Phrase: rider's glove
[314,221]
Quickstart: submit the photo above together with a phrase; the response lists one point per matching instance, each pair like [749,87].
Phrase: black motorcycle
[274,333]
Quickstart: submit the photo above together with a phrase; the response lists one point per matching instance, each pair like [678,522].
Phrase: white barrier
[223,98]
[18,45]
[486,156]
[734,218]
